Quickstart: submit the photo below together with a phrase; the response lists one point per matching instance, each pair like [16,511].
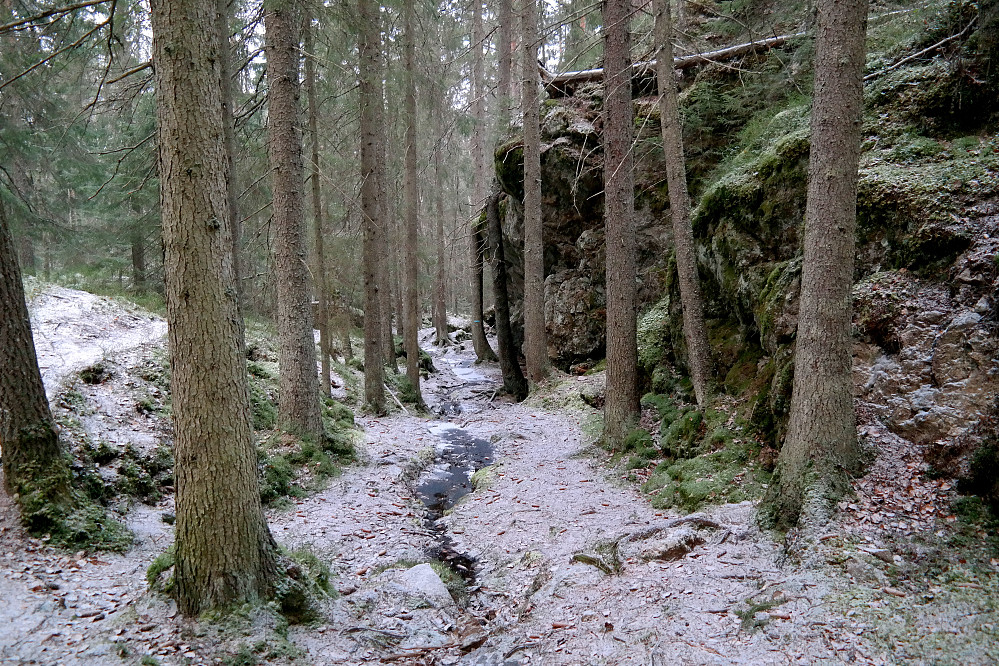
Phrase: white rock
[422,580]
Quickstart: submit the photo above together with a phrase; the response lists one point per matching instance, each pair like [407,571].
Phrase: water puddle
[458,456]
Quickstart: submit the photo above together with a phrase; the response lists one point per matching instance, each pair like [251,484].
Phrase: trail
[563,562]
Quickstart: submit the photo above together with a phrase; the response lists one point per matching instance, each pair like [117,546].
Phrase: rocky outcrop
[572,210]
[927,240]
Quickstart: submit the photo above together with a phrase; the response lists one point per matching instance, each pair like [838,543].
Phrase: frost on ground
[552,558]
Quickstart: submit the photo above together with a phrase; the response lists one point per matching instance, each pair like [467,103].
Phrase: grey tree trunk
[322,286]
[621,408]
[298,401]
[483,351]
[440,280]
[820,448]
[386,236]
[36,473]
[411,305]
[514,381]
[371,116]
[138,260]
[224,552]
[535,336]
[223,13]
[694,330]
[504,92]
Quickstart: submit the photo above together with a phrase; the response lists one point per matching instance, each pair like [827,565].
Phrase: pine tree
[621,409]
[411,306]
[535,336]
[298,401]
[821,443]
[694,331]
[36,473]
[371,116]
[224,552]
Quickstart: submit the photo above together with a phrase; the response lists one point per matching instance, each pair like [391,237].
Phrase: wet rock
[423,581]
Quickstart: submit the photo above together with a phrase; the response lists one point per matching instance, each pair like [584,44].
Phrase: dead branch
[945,40]
[62,11]
[565,84]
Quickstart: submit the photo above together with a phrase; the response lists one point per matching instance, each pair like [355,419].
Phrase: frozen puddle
[458,456]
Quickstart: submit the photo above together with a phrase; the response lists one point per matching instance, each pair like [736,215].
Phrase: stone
[424,582]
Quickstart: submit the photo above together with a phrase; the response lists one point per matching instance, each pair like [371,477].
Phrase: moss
[162,564]
[983,473]
[262,406]
[97,373]
[679,438]
[291,467]
[725,475]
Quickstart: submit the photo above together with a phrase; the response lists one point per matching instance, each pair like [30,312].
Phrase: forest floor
[552,557]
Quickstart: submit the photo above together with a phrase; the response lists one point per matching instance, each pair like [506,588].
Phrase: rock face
[572,210]
[926,272]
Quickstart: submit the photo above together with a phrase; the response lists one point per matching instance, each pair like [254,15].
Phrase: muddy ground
[552,557]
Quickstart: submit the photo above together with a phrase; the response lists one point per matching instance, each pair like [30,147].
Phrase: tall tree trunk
[694,331]
[504,92]
[514,381]
[535,336]
[138,260]
[298,401]
[224,552]
[821,443]
[440,282]
[372,108]
[412,196]
[621,409]
[36,472]
[387,236]
[322,287]
[223,13]
[483,351]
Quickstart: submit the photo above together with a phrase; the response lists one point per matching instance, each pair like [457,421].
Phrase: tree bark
[535,335]
[36,473]
[440,280]
[621,409]
[223,13]
[411,306]
[371,116]
[387,241]
[514,381]
[694,330]
[504,92]
[138,260]
[298,400]
[224,552]
[322,287]
[483,351]
[821,443]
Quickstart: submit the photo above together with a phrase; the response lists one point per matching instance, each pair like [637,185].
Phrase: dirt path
[563,561]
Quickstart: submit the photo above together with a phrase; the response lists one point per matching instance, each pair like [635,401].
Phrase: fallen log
[644,72]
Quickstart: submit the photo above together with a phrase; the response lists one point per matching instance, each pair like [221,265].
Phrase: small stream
[458,455]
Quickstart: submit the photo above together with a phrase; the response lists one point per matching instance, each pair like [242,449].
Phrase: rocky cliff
[926,281]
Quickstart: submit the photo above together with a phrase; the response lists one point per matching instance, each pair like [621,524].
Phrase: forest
[499,332]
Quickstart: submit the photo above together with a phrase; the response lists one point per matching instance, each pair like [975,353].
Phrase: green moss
[262,405]
[725,475]
[983,477]
[163,563]
[679,437]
